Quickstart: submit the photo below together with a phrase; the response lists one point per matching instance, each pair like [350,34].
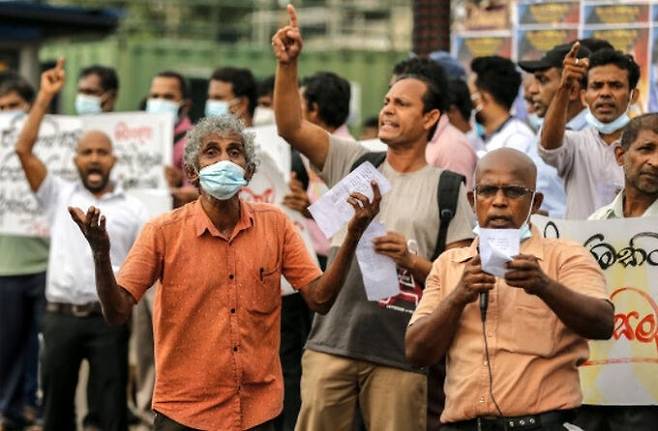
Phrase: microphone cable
[486,351]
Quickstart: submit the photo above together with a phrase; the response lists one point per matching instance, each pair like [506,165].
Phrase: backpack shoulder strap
[374,157]
[447,197]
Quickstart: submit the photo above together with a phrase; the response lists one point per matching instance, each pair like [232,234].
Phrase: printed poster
[548,12]
[485,15]
[624,369]
[467,47]
[532,44]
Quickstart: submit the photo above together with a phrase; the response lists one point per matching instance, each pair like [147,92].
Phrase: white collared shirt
[616,209]
[549,182]
[71,276]
[513,134]
[588,166]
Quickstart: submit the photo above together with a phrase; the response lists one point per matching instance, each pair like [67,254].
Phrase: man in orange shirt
[523,374]
[217,310]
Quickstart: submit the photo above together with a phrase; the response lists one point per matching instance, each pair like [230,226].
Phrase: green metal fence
[137,61]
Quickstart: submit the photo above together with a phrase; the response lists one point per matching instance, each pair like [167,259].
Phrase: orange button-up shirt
[534,356]
[216,315]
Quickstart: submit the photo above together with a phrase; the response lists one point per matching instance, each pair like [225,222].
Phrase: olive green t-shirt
[374,330]
[23,255]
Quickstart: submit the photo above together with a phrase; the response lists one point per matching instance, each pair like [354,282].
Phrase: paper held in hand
[497,247]
[331,212]
[379,272]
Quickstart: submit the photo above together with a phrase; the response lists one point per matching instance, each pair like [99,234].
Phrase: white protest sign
[624,369]
[269,142]
[142,143]
[269,186]
[20,213]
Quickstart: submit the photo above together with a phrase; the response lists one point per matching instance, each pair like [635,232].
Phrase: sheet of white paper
[380,276]
[497,246]
[332,211]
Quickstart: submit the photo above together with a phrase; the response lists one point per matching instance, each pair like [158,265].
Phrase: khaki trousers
[333,387]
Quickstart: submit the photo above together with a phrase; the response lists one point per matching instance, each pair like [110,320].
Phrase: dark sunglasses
[510,192]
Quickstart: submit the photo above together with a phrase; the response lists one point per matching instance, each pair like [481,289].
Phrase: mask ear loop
[532,202]
[630,100]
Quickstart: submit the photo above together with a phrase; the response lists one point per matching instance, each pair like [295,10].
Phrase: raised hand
[474,281]
[364,209]
[52,80]
[92,226]
[287,41]
[573,69]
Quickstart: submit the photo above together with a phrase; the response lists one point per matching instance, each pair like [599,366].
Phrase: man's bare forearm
[555,122]
[287,104]
[429,338]
[28,135]
[588,317]
[307,138]
[325,289]
[116,302]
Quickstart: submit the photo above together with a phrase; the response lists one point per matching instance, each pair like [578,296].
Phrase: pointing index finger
[292,13]
[574,50]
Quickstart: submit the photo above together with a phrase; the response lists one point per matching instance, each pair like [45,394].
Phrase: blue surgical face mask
[162,106]
[535,121]
[86,104]
[607,128]
[524,231]
[222,180]
[216,108]
[480,130]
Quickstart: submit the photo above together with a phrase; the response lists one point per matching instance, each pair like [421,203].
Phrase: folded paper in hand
[331,212]
[497,247]
[379,272]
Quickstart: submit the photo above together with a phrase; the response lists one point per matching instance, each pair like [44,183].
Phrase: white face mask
[160,106]
[216,108]
[535,121]
[86,104]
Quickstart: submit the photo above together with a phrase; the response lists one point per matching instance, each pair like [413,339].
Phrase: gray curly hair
[221,125]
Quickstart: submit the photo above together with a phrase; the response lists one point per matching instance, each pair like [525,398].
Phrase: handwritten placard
[624,369]
[142,143]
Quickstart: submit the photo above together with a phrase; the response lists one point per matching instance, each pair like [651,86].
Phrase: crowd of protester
[218,347]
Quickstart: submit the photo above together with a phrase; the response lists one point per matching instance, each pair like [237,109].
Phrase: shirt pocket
[262,293]
[533,328]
